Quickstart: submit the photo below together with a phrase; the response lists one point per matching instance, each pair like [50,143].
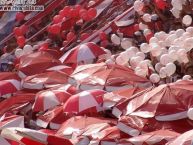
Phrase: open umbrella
[86,102]
[63,68]
[45,80]
[48,99]
[166,102]
[32,137]
[78,123]
[36,63]
[159,137]
[108,77]
[183,139]
[82,53]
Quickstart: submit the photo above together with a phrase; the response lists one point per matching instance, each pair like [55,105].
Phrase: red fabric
[128,31]
[53,140]
[30,142]
[161,4]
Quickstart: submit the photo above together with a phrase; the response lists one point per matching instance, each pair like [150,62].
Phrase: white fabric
[172,117]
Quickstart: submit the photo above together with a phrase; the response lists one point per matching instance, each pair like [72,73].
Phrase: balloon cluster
[19,33]
[27,49]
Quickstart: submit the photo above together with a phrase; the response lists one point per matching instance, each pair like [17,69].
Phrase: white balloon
[187,20]
[156,50]
[91,3]
[179,32]
[142,26]
[170,68]
[36,47]
[141,54]
[173,55]
[126,43]
[134,61]
[187,77]
[153,40]
[190,30]
[18,52]
[188,44]
[154,78]
[147,32]
[120,60]
[130,53]
[109,61]
[27,49]
[165,59]
[177,4]
[170,39]
[138,5]
[115,39]
[190,113]
[161,35]
[135,49]
[158,67]
[140,72]
[143,65]
[147,17]
[163,73]
[125,56]
[175,12]
[145,48]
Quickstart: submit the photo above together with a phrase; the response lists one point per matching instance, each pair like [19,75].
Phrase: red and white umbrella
[166,102]
[45,80]
[48,99]
[183,139]
[63,68]
[16,102]
[9,84]
[36,63]
[82,53]
[10,120]
[160,137]
[84,102]
[105,76]
[26,136]
[75,124]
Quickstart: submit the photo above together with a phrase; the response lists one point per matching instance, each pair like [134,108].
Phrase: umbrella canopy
[9,84]
[152,138]
[19,100]
[9,120]
[45,80]
[31,137]
[36,63]
[48,99]
[82,53]
[78,123]
[166,102]
[85,101]
[105,76]
[66,69]
[183,139]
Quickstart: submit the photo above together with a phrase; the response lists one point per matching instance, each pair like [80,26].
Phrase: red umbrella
[82,53]
[9,84]
[66,69]
[48,99]
[183,139]
[78,123]
[45,80]
[36,63]
[166,102]
[160,137]
[32,137]
[108,77]
[85,101]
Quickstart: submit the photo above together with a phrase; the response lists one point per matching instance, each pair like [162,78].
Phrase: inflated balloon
[109,61]
[179,32]
[158,67]
[189,30]
[84,36]
[163,73]
[57,19]
[103,36]
[165,59]
[70,36]
[173,55]
[17,31]
[175,12]
[145,48]
[74,13]
[187,20]
[55,29]
[18,52]
[138,5]
[140,72]
[141,54]
[66,11]
[92,13]
[134,61]
[146,32]
[120,60]
[148,37]
[147,17]
[115,39]
[170,39]
[27,49]
[155,49]
[190,113]
[21,41]
[20,16]
[154,78]
[177,4]
[153,40]
[187,77]
[188,44]
[134,49]
[170,68]
[143,65]
[126,43]
[91,3]
[130,53]
[36,47]
[142,26]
